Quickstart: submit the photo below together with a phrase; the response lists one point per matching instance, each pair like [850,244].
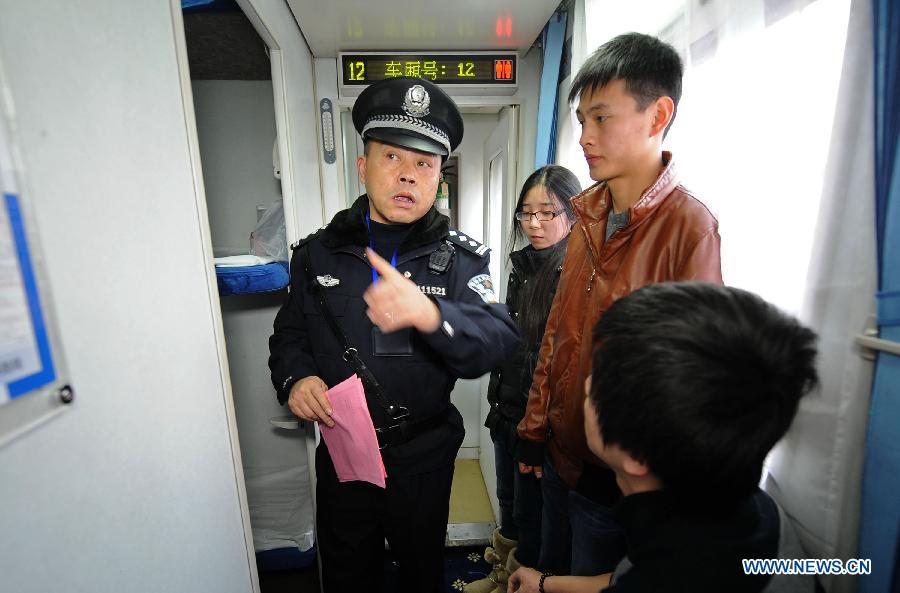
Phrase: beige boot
[512,564]
[497,557]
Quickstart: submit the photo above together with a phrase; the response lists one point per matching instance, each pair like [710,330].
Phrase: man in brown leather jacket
[636,226]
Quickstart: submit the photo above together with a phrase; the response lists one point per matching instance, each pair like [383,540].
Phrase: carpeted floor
[461,565]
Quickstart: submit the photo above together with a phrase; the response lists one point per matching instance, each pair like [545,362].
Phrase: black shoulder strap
[298,244]
[351,354]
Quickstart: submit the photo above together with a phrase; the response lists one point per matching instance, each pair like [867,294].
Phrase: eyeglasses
[541,215]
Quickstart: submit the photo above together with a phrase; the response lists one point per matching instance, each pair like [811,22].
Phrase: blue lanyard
[372,246]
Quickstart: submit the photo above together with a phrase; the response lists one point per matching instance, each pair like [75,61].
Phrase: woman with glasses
[544,218]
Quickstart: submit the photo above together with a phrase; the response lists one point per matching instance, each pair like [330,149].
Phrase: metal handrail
[870,341]
[878,344]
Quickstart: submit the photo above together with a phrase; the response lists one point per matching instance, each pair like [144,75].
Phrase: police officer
[387,290]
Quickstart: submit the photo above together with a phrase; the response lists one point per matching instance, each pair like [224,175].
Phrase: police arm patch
[484,287]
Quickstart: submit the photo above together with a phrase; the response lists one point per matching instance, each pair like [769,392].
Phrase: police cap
[411,113]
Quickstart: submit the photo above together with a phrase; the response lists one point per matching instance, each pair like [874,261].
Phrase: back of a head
[700,381]
[649,67]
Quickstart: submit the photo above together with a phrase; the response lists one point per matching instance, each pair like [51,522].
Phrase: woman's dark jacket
[509,385]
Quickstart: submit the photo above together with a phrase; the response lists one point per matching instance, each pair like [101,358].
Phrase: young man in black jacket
[692,385]
[415,304]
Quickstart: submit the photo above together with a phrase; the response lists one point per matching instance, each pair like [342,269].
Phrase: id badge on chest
[397,343]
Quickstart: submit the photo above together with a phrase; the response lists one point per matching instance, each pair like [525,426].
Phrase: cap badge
[416,101]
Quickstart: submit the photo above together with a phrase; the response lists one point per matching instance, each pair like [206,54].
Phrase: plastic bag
[269,238]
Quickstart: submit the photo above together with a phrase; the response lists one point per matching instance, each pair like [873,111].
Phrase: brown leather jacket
[670,236]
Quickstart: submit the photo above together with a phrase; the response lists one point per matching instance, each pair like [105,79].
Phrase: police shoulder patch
[468,243]
[484,287]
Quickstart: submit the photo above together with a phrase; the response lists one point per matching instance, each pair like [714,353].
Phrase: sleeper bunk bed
[277,491]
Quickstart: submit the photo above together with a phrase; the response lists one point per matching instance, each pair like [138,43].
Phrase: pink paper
[352,443]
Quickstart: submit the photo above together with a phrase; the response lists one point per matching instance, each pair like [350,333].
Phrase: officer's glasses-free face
[541,215]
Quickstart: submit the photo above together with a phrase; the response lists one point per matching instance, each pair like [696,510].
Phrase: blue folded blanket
[252,279]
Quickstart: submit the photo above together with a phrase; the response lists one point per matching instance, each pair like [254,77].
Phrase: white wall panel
[133,488]
[296,110]
[236,129]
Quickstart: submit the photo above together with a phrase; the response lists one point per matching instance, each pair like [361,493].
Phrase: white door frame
[289,195]
[496,146]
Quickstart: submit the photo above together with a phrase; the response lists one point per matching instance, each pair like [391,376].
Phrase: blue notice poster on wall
[33,386]
[26,363]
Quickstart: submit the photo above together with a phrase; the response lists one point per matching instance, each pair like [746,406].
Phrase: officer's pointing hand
[396,302]
[309,400]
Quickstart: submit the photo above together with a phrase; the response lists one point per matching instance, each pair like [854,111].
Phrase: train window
[776,98]
[753,127]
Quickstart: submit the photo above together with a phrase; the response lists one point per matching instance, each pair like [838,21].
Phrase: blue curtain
[896,587]
[545,144]
[880,513]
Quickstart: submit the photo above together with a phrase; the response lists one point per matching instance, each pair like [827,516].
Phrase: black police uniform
[354,517]
[415,370]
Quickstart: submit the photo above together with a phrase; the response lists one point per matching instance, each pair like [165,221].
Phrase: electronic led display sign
[474,68]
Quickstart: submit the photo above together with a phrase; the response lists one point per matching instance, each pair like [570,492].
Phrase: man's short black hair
[699,381]
[650,68]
